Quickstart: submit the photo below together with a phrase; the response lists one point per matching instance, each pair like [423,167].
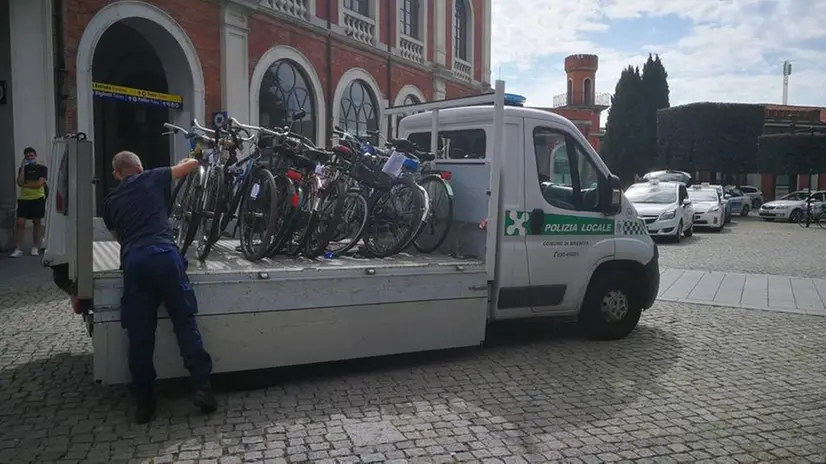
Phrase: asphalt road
[692,384]
[752,246]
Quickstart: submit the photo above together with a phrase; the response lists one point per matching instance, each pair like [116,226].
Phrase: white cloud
[733,52]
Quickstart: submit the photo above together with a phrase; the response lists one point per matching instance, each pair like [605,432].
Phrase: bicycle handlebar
[173,129]
[198,126]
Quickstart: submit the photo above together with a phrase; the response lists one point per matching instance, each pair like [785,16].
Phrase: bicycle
[812,217]
[387,196]
[436,184]
[184,207]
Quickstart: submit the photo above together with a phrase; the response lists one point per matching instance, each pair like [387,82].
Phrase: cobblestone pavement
[753,246]
[692,384]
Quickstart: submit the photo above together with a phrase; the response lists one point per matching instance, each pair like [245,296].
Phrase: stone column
[235,76]
[440,24]
[31,95]
[486,51]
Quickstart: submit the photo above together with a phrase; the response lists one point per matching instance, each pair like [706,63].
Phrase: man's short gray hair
[126,160]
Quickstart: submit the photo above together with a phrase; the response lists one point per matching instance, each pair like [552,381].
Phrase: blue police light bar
[513,99]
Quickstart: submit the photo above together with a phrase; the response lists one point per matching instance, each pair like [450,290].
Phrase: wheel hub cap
[615,305]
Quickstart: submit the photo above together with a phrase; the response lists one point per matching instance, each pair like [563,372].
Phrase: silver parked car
[792,206]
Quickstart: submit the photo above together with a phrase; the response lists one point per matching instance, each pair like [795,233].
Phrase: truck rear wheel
[611,308]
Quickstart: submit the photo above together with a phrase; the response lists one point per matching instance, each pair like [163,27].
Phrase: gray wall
[8,158]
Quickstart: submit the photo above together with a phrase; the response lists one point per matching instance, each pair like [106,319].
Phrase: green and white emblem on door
[518,223]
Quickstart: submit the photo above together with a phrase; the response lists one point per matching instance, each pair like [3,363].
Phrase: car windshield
[702,195]
[651,194]
[794,196]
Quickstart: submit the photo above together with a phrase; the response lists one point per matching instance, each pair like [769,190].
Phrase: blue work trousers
[155,274]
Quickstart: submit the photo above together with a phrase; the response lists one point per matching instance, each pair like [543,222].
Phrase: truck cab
[540,228]
[566,232]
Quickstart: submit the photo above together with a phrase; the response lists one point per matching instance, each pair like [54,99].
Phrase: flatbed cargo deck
[257,315]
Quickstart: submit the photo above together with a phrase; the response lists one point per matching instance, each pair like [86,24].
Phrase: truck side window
[455,144]
[683,193]
[568,178]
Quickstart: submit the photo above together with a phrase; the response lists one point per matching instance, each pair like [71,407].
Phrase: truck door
[568,234]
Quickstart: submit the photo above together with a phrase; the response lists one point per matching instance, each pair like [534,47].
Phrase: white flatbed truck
[522,245]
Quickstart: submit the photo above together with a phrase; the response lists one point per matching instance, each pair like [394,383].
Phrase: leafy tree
[792,153]
[624,146]
[720,137]
[656,96]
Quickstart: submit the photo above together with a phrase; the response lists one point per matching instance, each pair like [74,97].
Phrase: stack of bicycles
[290,197]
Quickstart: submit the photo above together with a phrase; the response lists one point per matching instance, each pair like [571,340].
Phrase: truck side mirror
[610,193]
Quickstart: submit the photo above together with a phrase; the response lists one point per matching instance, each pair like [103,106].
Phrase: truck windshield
[703,195]
[651,195]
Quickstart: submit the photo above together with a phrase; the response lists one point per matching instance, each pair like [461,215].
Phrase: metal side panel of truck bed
[292,311]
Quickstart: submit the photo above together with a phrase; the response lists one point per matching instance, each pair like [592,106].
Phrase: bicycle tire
[191,206]
[354,197]
[322,226]
[294,243]
[263,179]
[214,203]
[285,191]
[422,245]
[423,212]
[821,220]
[377,208]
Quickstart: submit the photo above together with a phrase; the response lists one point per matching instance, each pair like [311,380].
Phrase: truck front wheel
[611,308]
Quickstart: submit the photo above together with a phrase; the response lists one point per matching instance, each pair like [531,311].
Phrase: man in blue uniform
[154,272]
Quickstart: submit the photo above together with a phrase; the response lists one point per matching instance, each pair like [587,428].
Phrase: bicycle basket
[364,172]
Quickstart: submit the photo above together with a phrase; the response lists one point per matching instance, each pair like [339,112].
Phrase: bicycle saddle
[403,145]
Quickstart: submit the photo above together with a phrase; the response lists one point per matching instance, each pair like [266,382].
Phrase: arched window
[411,100]
[587,92]
[358,109]
[460,30]
[285,91]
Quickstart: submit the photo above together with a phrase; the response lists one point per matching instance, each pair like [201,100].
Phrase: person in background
[154,272]
[31,204]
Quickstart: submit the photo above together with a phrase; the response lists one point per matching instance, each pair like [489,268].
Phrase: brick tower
[582,73]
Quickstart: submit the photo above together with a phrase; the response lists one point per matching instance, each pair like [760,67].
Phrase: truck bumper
[652,277]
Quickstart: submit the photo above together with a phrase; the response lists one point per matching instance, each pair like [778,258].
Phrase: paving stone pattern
[752,291]
[752,246]
[692,384]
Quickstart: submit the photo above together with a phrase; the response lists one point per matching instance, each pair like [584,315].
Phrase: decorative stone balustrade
[462,69]
[411,49]
[359,27]
[299,9]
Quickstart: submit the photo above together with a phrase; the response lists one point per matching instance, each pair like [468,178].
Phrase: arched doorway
[125,58]
[137,47]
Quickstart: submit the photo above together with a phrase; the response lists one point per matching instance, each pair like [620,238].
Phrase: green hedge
[792,153]
[719,137]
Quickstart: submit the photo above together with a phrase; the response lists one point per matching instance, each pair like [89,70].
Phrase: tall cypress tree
[656,93]
[625,143]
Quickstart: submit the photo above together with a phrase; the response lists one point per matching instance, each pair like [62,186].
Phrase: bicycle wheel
[214,204]
[300,221]
[283,210]
[191,209]
[437,226]
[257,215]
[821,220]
[324,222]
[395,216]
[353,221]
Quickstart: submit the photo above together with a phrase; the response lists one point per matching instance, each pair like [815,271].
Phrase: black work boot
[204,399]
[145,410]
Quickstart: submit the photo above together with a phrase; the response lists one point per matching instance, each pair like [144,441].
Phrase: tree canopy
[656,96]
[792,153]
[624,143]
[719,137]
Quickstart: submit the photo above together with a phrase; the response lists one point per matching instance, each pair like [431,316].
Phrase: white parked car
[791,206]
[726,203]
[709,211]
[665,208]
[755,195]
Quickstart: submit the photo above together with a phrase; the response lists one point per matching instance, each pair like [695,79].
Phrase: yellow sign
[139,96]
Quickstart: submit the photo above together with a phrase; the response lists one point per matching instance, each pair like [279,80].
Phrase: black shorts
[31,209]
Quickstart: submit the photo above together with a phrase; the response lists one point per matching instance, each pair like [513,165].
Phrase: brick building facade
[117,70]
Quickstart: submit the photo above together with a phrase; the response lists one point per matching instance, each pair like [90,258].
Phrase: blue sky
[713,50]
